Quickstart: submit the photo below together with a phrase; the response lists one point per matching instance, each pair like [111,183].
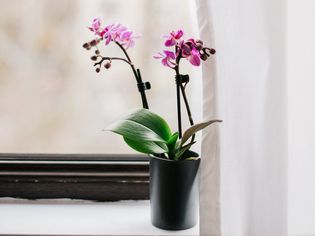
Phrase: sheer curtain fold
[243,186]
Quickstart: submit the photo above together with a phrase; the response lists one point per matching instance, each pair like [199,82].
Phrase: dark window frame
[99,177]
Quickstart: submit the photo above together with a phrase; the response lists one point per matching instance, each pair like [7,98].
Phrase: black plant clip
[144,86]
[182,79]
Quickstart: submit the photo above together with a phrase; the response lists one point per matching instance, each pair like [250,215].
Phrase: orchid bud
[107,65]
[212,51]
[86,45]
[94,58]
[93,42]
[198,46]
[97,52]
[204,57]
[97,70]
[199,42]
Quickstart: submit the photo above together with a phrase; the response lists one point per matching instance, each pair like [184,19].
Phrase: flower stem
[178,82]
[111,59]
[137,76]
[142,92]
[179,118]
[191,121]
[124,51]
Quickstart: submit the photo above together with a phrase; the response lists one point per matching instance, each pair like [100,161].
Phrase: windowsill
[76,217]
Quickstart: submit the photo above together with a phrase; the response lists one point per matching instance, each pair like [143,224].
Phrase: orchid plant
[143,130]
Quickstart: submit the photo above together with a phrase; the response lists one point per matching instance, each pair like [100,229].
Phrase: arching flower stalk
[124,39]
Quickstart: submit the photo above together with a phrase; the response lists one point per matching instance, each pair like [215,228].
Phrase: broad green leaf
[182,150]
[195,128]
[150,120]
[163,146]
[134,131]
[147,147]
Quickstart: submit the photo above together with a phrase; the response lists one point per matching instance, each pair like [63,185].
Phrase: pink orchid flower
[194,57]
[127,38]
[189,51]
[167,57]
[112,32]
[96,24]
[119,33]
[173,37]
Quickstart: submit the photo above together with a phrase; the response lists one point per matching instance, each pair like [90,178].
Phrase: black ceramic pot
[174,193]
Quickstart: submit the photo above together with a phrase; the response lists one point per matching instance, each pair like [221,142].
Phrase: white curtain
[243,190]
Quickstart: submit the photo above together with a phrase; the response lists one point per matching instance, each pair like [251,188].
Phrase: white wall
[301,75]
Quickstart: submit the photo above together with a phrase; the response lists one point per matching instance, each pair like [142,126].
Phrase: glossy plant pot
[174,193]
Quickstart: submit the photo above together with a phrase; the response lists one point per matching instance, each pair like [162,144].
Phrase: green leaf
[134,131]
[177,144]
[172,145]
[147,147]
[150,120]
[172,141]
[195,128]
[179,152]
[144,131]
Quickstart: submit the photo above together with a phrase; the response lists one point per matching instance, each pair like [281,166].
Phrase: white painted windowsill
[75,217]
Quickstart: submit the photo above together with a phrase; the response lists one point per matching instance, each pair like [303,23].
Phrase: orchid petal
[194,60]
[170,42]
[179,34]
[108,39]
[158,56]
[170,64]
[169,54]
[125,35]
[164,62]
[96,24]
